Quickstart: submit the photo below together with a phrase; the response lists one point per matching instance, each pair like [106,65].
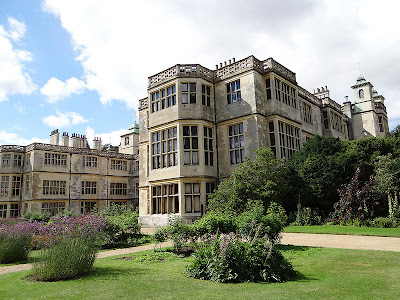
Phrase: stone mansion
[197,124]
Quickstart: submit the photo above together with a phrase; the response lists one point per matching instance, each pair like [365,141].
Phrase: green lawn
[337,229]
[324,274]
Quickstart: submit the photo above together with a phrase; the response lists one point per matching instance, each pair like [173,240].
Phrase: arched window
[361,93]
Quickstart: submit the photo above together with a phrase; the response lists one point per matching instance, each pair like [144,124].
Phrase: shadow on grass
[298,249]
[114,273]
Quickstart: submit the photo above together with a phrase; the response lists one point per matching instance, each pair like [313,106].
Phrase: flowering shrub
[69,247]
[356,202]
[228,258]
[66,259]
[14,245]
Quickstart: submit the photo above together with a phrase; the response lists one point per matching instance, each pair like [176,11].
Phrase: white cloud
[11,138]
[56,90]
[14,79]
[119,44]
[64,120]
[113,138]
[19,107]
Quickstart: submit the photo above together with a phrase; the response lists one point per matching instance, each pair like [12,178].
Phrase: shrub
[356,202]
[212,223]
[254,223]
[67,258]
[34,216]
[70,248]
[14,246]
[306,216]
[178,232]
[122,224]
[228,259]
[382,222]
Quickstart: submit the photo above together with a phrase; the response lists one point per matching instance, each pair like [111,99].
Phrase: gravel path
[297,239]
[342,241]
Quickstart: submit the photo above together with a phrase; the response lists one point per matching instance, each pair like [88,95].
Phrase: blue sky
[81,66]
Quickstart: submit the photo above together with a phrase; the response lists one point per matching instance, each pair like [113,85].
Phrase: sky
[81,66]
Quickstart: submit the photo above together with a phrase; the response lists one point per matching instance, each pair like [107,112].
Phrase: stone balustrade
[12,148]
[309,96]
[191,70]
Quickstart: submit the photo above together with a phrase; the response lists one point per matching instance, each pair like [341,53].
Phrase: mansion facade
[197,124]
[68,176]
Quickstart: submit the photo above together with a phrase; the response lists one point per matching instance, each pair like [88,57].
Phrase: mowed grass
[337,229]
[323,274]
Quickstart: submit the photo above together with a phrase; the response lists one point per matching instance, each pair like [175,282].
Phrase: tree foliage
[357,201]
[265,179]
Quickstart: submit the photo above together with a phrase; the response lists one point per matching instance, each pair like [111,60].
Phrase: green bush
[228,259]
[68,258]
[306,216]
[122,224]
[212,223]
[255,223]
[35,216]
[14,247]
[382,222]
[178,232]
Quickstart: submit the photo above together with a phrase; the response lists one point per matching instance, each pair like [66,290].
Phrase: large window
[383,124]
[188,93]
[236,143]
[289,139]
[16,185]
[285,93]
[6,160]
[4,184]
[55,159]
[272,143]
[190,145]
[208,146]
[90,161]
[205,95]
[163,98]
[117,164]
[88,207]
[233,92]
[53,208]
[165,199]
[89,188]
[361,93]
[14,210]
[28,159]
[3,210]
[117,188]
[306,113]
[27,183]
[17,160]
[337,122]
[164,148]
[268,88]
[54,187]
[192,197]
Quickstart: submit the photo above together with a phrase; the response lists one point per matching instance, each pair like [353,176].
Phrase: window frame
[233,92]
[236,148]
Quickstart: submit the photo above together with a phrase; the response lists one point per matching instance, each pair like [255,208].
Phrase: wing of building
[52,177]
[197,124]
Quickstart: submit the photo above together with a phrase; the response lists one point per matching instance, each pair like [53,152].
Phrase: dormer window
[361,93]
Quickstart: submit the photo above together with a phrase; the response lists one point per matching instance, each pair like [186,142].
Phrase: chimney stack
[97,144]
[65,139]
[54,137]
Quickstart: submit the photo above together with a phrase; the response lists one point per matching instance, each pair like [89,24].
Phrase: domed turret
[360,79]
